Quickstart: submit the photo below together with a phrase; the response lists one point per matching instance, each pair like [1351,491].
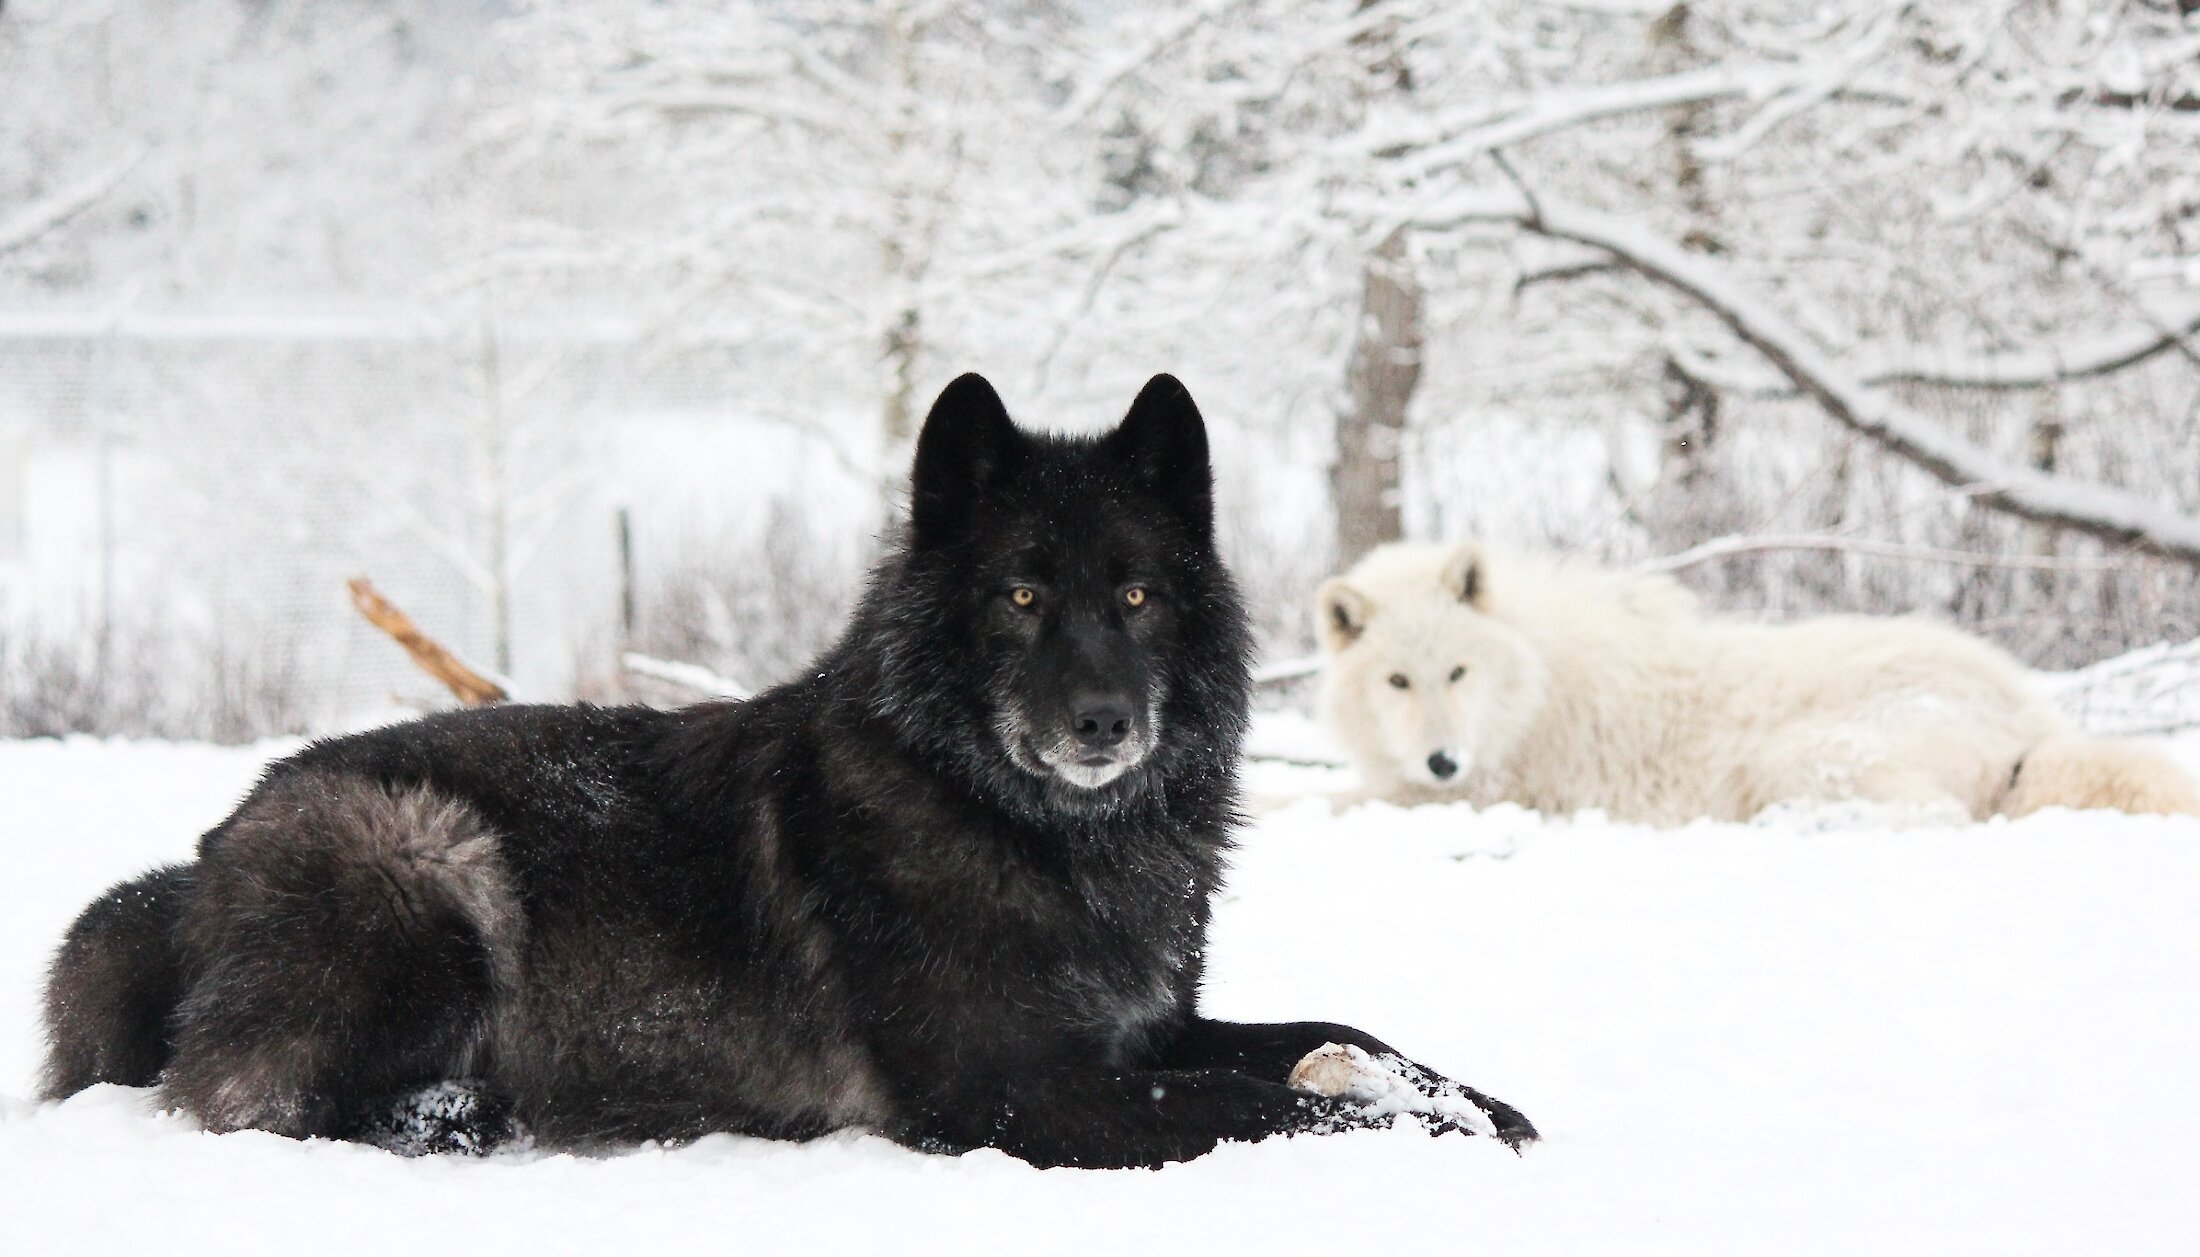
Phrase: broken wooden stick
[470,687]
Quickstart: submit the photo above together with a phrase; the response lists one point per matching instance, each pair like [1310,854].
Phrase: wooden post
[626,580]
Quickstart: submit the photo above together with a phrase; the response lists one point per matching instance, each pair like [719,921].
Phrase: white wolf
[1496,675]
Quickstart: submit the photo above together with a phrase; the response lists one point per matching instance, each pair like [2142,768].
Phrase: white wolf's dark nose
[1100,721]
[1442,765]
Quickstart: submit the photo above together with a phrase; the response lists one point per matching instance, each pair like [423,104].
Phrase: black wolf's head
[1057,624]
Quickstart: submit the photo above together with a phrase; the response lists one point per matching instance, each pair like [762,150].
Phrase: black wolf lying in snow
[952,885]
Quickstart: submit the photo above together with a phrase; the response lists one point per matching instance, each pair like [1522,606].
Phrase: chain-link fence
[183,496]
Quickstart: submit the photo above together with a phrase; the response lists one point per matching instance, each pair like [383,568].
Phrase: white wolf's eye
[1398,681]
[1024,596]
[1458,672]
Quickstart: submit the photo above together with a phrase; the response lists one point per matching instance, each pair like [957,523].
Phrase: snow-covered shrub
[146,679]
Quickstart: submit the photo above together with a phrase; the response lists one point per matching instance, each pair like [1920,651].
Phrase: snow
[1808,1035]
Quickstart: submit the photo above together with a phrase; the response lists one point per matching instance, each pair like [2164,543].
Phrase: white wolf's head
[1424,685]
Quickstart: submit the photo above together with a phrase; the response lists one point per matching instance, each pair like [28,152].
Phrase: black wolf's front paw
[1317,1114]
[449,1117]
[1389,1085]
[1509,1124]
[1513,1126]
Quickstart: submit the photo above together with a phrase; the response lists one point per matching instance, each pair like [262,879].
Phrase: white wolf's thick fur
[1560,686]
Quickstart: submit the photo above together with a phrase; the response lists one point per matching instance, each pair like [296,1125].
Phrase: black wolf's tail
[116,979]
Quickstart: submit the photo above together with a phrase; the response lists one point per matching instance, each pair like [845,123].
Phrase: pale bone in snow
[1341,1071]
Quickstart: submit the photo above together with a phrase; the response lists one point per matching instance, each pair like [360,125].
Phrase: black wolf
[951,885]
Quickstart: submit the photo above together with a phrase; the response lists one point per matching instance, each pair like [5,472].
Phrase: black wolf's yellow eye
[1398,681]
[1458,672]
[1134,597]
[1024,596]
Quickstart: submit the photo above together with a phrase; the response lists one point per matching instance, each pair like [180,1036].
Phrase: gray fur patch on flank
[444,846]
[425,849]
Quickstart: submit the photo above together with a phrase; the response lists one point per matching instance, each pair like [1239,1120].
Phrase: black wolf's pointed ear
[965,443]
[1165,442]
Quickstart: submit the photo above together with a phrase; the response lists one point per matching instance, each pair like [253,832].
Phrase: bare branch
[469,686]
[32,222]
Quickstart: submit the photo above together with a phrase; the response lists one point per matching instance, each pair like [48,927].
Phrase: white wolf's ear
[1466,575]
[966,445]
[1164,440]
[1340,614]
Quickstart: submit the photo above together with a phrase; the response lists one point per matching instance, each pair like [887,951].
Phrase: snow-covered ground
[1816,1034]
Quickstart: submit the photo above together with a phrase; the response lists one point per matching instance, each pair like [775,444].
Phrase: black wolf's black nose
[1442,765]
[1100,721]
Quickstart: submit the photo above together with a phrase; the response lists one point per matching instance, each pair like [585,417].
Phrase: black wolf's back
[113,985]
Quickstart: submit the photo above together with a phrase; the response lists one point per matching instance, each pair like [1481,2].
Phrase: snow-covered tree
[869,197]
[225,148]
[1980,214]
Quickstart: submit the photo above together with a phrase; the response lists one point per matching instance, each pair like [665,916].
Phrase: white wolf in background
[1492,675]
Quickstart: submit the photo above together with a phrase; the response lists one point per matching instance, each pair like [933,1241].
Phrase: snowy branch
[687,676]
[2150,691]
[2012,371]
[1562,110]
[1284,670]
[1102,85]
[2096,510]
[765,106]
[31,223]
[1726,547]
